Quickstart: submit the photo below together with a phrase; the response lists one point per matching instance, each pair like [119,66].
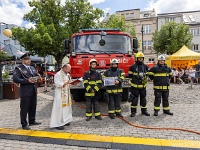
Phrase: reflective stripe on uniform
[96,88]
[85,81]
[143,107]
[130,72]
[88,87]
[97,114]
[118,111]
[162,87]
[89,94]
[133,106]
[115,91]
[170,73]
[111,111]
[156,108]
[165,108]
[88,114]
[150,73]
[161,74]
[138,86]
[92,82]
[98,81]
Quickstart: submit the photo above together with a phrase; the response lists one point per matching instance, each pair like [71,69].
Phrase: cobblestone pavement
[184,103]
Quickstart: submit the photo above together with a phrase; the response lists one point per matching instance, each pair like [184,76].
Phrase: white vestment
[60,115]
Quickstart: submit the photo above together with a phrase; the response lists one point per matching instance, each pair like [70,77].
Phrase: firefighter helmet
[92,60]
[161,57]
[114,61]
[139,54]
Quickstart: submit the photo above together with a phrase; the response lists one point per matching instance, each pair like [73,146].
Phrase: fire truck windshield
[113,43]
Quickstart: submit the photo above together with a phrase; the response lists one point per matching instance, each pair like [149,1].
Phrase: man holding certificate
[92,83]
[113,78]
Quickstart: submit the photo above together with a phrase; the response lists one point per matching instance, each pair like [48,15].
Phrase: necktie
[29,68]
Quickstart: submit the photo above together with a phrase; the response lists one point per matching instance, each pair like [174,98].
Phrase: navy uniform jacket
[21,75]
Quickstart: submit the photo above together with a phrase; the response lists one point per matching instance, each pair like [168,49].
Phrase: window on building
[144,47]
[127,15]
[151,59]
[196,47]
[132,15]
[149,42]
[194,31]
[149,47]
[169,19]
[144,43]
[16,42]
[147,29]
[146,15]
[6,42]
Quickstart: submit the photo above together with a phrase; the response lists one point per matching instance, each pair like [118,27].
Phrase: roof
[12,51]
[185,54]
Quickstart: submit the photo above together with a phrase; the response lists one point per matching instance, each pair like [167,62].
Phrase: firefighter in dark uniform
[92,83]
[114,92]
[138,78]
[161,74]
[26,76]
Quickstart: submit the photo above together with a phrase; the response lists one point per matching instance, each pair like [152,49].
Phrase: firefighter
[138,78]
[92,83]
[161,74]
[114,91]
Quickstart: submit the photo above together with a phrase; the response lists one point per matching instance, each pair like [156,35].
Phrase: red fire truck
[103,45]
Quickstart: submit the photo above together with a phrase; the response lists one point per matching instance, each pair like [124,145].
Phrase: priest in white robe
[61,114]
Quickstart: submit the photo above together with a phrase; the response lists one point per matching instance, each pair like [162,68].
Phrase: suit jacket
[21,76]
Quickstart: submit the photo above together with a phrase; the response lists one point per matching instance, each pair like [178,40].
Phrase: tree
[118,21]
[172,37]
[114,21]
[53,24]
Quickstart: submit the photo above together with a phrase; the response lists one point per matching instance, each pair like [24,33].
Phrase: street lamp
[142,30]
[7,32]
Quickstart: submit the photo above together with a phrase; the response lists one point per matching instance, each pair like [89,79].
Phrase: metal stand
[45,79]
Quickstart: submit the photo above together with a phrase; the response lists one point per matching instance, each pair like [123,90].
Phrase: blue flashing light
[101,29]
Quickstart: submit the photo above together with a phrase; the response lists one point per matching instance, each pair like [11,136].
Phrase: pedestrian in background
[27,77]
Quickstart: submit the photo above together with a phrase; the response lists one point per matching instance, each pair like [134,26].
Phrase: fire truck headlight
[73,54]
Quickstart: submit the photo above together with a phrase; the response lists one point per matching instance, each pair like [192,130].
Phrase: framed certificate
[109,81]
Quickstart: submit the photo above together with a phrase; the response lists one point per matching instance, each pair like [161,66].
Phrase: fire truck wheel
[125,94]
[78,94]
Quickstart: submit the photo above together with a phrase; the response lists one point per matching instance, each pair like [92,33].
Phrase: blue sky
[117,5]
[12,11]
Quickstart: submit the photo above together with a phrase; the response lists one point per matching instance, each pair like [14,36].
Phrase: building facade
[191,18]
[145,23]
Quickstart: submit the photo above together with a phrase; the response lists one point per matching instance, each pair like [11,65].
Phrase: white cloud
[95,1]
[167,6]
[12,11]
[29,25]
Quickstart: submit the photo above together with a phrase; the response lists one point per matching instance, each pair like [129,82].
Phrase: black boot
[88,118]
[145,113]
[98,117]
[155,113]
[112,116]
[168,112]
[120,115]
[133,114]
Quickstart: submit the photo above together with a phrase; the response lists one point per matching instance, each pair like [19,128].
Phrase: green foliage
[3,55]
[5,75]
[114,21]
[53,24]
[171,37]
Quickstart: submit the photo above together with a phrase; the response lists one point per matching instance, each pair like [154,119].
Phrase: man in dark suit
[26,76]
